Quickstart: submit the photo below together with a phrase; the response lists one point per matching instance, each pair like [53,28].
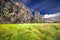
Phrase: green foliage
[30,31]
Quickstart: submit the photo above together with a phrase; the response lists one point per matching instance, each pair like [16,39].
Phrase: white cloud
[54,17]
[51,15]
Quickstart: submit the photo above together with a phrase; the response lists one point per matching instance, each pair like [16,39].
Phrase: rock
[14,12]
[37,17]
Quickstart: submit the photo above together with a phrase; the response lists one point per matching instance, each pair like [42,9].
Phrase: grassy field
[42,31]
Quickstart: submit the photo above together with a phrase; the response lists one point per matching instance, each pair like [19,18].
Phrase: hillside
[14,12]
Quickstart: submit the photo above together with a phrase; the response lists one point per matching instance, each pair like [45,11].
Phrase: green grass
[42,31]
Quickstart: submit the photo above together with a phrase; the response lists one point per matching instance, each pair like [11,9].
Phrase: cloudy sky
[44,6]
[55,17]
[52,15]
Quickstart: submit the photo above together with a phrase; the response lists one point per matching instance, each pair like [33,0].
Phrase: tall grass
[43,31]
